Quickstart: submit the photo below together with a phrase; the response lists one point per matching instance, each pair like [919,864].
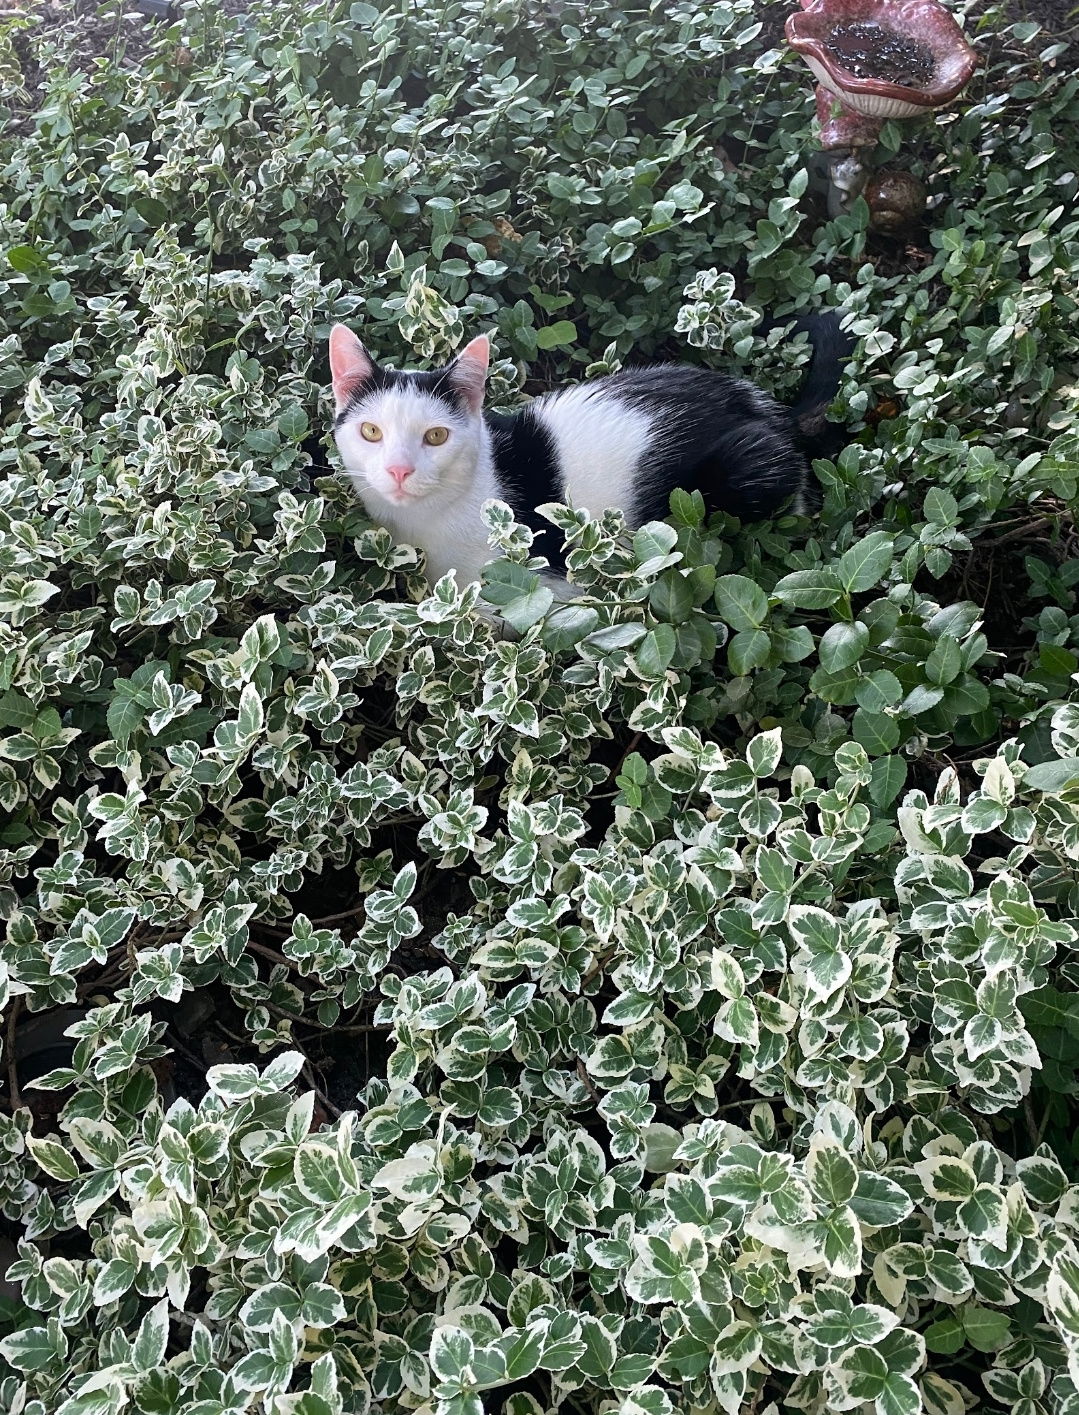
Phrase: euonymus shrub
[672,1008]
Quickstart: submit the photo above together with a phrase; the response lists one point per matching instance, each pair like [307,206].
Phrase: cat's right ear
[468,372]
[351,366]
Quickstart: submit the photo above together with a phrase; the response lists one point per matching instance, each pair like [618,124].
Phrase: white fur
[437,509]
[601,443]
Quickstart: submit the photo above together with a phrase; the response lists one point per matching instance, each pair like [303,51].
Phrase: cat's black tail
[832,348]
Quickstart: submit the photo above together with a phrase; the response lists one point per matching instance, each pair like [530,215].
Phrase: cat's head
[408,438]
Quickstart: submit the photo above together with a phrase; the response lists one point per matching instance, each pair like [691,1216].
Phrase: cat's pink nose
[400,472]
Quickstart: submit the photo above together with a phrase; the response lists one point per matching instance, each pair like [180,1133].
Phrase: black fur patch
[527,466]
[714,434]
[436,383]
[831,349]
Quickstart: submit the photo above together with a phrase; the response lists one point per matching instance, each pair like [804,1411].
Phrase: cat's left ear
[350,365]
[468,372]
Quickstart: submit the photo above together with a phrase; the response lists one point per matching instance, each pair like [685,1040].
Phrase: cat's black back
[745,453]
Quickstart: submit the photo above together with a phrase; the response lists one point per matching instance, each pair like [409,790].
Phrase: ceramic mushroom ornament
[874,60]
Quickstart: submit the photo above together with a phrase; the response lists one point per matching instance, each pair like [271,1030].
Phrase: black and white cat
[424,456]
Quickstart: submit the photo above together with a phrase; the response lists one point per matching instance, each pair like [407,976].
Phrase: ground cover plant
[672,1008]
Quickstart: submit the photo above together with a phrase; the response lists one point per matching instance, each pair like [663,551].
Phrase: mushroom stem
[841,126]
[847,177]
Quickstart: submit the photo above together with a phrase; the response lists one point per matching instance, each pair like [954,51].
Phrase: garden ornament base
[875,60]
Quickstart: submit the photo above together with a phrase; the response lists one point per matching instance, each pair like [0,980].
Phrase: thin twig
[308,1074]
[270,953]
[1024,532]
[12,1070]
[634,743]
[271,927]
[338,918]
[1032,1126]
[358,1029]
[175,1044]
[586,1080]
[1043,1126]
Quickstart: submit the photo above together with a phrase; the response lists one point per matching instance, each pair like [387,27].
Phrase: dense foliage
[671,1008]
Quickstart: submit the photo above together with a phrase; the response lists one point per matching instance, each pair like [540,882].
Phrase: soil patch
[869,51]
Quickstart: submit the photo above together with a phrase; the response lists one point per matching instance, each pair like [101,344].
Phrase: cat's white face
[408,440]
[402,445]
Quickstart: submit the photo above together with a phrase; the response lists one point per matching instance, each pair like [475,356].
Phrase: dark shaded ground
[1058,18]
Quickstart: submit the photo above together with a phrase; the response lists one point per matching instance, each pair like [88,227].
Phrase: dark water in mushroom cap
[869,51]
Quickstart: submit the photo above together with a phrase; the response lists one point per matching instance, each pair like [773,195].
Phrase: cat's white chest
[451,538]
[465,554]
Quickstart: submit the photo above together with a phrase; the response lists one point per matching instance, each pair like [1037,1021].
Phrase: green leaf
[945,661]
[791,644]
[655,651]
[880,1202]
[1053,777]
[866,563]
[899,1396]
[16,710]
[741,602]
[876,732]
[809,589]
[600,1351]
[838,687]
[293,424]
[654,541]
[125,715]
[878,690]
[615,637]
[940,507]
[687,508]
[945,1337]
[986,1329]
[520,594]
[748,650]
[554,336]
[671,597]
[568,625]
[27,260]
[888,776]
[523,1351]
[842,646]
[153,212]
[922,699]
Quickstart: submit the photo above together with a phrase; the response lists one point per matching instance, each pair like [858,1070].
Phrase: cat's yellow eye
[436,436]
[370,432]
